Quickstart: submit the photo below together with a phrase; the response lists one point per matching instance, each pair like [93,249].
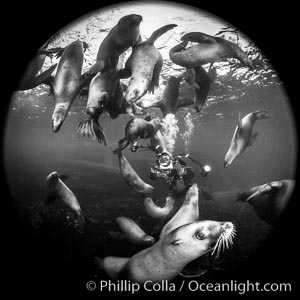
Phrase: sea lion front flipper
[252,139]
[159,32]
[129,180]
[97,67]
[112,265]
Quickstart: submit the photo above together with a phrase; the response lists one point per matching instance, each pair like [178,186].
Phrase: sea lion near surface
[157,212]
[125,34]
[131,177]
[199,79]
[208,49]
[134,233]
[144,66]
[269,200]
[243,137]
[67,82]
[59,190]
[168,257]
[139,128]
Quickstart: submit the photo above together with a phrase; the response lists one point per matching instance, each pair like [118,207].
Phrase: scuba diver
[173,169]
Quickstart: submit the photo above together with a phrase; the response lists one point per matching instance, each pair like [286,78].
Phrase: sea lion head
[196,239]
[52,178]
[59,116]
[132,19]
[137,88]
[229,158]
[157,123]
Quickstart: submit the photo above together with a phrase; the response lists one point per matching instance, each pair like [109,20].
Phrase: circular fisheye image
[150,142]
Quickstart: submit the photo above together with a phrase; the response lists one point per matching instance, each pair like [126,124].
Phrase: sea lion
[188,212]
[134,233]
[199,79]
[101,92]
[30,78]
[208,50]
[157,212]
[144,66]
[243,137]
[269,200]
[157,140]
[132,178]
[139,128]
[168,257]
[125,34]
[58,190]
[67,82]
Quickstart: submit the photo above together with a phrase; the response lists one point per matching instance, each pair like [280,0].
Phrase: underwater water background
[32,151]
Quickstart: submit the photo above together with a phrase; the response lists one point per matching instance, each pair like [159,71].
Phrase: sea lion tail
[91,127]
[157,33]
[123,143]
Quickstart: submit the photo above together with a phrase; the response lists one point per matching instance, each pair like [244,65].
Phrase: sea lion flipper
[252,139]
[111,265]
[157,33]
[198,37]
[64,177]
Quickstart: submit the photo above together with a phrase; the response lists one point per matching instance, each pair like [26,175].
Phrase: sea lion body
[208,50]
[66,82]
[134,233]
[243,137]
[139,128]
[167,258]
[199,79]
[269,200]
[144,66]
[131,177]
[59,190]
[188,212]
[157,212]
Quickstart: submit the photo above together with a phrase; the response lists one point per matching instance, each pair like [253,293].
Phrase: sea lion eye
[200,235]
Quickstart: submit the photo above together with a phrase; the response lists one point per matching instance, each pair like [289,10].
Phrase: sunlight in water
[170,130]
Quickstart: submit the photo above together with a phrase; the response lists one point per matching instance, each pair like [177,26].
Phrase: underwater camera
[134,146]
[206,169]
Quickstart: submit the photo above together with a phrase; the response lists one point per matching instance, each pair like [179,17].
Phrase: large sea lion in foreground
[120,38]
[131,177]
[269,200]
[134,233]
[208,49]
[188,212]
[139,128]
[144,66]
[199,79]
[58,190]
[67,82]
[158,212]
[243,137]
[167,258]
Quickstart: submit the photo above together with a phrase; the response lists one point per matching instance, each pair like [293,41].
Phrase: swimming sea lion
[59,190]
[120,38]
[134,233]
[157,212]
[208,50]
[138,128]
[158,140]
[132,178]
[199,79]
[243,137]
[188,212]
[269,200]
[30,78]
[101,92]
[67,82]
[144,66]
[168,257]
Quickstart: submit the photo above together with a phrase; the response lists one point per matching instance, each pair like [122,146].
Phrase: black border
[31,269]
